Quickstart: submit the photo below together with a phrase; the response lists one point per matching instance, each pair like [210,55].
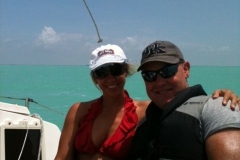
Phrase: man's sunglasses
[166,72]
[115,69]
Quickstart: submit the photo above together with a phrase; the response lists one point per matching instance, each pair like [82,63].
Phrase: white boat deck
[16,124]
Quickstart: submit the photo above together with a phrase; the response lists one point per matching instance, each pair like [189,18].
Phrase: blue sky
[61,32]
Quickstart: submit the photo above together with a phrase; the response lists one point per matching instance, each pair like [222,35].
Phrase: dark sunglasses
[115,69]
[166,72]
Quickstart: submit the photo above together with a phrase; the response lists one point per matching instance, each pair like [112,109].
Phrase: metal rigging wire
[99,39]
[27,100]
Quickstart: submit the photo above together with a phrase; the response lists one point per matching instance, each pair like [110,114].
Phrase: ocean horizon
[56,87]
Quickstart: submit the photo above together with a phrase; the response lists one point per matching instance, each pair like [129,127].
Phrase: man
[182,122]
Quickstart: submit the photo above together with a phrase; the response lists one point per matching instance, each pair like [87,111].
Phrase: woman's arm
[71,125]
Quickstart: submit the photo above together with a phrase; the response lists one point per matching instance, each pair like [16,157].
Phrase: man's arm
[224,145]
[221,130]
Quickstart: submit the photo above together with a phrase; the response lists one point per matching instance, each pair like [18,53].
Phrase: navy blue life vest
[175,132]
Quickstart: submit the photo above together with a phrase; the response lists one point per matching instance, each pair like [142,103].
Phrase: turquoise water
[58,87]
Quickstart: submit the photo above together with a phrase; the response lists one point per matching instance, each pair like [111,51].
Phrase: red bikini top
[119,144]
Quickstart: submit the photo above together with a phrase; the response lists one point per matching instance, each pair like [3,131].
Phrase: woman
[103,128]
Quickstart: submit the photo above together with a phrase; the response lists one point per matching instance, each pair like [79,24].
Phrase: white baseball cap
[106,54]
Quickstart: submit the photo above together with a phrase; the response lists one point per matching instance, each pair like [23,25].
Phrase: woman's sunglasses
[115,69]
[166,72]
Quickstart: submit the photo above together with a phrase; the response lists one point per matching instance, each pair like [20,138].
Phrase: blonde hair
[131,68]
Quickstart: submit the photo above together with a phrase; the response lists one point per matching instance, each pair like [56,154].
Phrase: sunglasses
[115,69]
[166,72]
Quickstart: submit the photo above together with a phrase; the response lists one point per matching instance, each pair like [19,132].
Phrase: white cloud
[48,36]
[207,49]
[129,40]
[224,48]
[8,40]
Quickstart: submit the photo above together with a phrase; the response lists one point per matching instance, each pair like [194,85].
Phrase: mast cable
[99,39]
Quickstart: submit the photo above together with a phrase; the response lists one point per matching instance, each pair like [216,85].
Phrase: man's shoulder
[216,117]
[216,104]
[214,109]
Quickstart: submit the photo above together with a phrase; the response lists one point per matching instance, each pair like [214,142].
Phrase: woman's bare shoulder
[79,109]
[142,103]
